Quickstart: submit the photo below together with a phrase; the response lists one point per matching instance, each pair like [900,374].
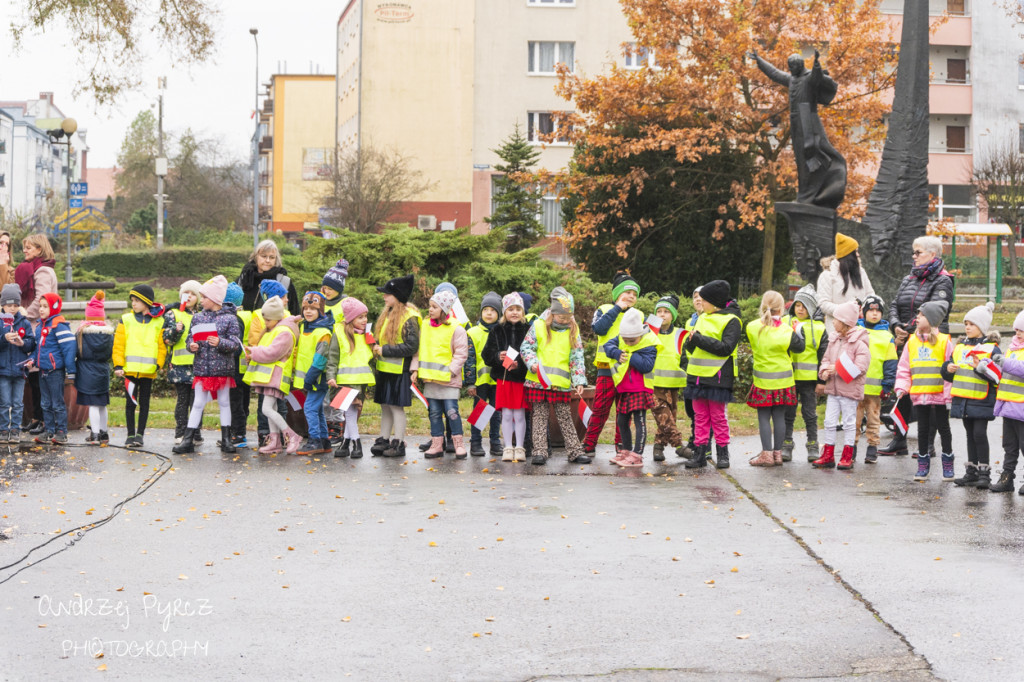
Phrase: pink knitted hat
[94,311]
[215,289]
[351,308]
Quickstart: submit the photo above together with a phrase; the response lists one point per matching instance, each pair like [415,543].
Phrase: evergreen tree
[517,201]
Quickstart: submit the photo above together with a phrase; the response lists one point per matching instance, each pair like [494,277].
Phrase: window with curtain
[544,55]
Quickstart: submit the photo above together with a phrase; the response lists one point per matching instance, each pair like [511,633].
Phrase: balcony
[950,98]
[264,179]
[267,143]
[268,106]
[949,167]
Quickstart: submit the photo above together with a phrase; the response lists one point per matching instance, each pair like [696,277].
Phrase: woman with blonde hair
[6,271]
[36,278]
[265,264]
[774,389]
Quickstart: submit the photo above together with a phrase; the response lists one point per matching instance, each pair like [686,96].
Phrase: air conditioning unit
[447,225]
[426,222]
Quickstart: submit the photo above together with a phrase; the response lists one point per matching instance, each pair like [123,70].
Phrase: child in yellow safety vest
[688,326]
[398,340]
[1010,406]
[139,352]
[669,377]
[478,375]
[774,388]
[881,374]
[973,390]
[179,370]
[633,354]
[240,391]
[807,318]
[269,373]
[920,374]
[316,328]
[348,366]
[443,351]
[332,286]
[552,352]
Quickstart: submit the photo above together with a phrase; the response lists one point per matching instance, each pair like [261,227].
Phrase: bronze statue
[821,170]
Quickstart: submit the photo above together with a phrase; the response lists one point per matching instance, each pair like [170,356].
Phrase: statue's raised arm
[780,77]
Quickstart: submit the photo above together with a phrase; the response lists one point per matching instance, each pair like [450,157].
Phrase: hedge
[175,261]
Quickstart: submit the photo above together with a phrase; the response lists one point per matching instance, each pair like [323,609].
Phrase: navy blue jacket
[95,348]
[641,360]
[58,351]
[11,356]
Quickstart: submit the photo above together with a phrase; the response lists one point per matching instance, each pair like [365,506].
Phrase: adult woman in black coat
[265,263]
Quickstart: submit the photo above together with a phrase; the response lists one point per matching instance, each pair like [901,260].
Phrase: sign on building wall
[316,163]
[393,12]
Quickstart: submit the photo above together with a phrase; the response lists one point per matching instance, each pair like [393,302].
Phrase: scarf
[250,277]
[24,276]
[923,272]
[1015,344]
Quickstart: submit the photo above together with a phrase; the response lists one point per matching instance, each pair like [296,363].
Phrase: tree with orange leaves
[703,97]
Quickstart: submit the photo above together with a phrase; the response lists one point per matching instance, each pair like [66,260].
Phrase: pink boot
[765,459]
[294,441]
[272,445]
[436,448]
[460,447]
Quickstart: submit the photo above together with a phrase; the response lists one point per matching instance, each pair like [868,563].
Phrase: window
[495,190]
[956,139]
[540,124]
[3,180]
[956,70]
[551,215]
[551,3]
[544,55]
[1020,138]
[639,57]
[3,146]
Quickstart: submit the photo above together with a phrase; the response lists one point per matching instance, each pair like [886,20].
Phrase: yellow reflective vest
[390,365]
[882,346]
[304,352]
[553,356]
[1011,386]
[667,372]
[926,362]
[245,317]
[354,365]
[435,356]
[180,354]
[602,359]
[619,369]
[141,344]
[805,363]
[478,334]
[966,382]
[702,363]
[773,367]
[260,374]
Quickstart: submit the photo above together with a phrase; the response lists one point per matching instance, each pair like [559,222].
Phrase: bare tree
[998,178]
[368,185]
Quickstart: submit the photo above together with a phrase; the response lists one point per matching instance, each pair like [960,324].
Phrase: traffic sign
[79,189]
[76,202]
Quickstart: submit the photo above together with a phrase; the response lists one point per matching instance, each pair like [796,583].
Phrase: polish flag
[184,301]
[898,421]
[585,413]
[370,341]
[344,399]
[419,394]
[297,400]
[510,357]
[204,332]
[481,415]
[542,377]
[459,312]
[654,322]
[990,370]
[129,386]
[845,368]
[680,339]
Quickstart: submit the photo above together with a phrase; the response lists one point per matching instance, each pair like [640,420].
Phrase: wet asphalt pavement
[322,568]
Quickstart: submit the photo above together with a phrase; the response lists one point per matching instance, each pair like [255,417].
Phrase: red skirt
[542,395]
[509,395]
[213,384]
[762,397]
[631,402]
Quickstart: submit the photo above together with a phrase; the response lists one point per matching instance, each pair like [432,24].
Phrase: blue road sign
[79,189]
[76,202]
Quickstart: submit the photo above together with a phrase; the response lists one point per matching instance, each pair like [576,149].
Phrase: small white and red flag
[297,400]
[419,394]
[845,368]
[510,357]
[990,370]
[204,331]
[344,399]
[898,422]
[129,387]
[481,415]
[680,339]
[542,377]
[585,413]
[654,322]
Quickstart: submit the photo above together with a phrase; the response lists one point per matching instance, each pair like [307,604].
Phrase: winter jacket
[120,341]
[936,285]
[830,292]
[970,408]
[410,341]
[577,362]
[282,347]
[249,279]
[889,366]
[45,282]
[222,360]
[1015,368]
[95,347]
[903,380]
[721,347]
[460,355]
[12,355]
[315,378]
[855,344]
[55,345]
[640,361]
[176,374]
[502,337]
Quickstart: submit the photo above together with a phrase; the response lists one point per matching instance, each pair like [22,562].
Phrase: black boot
[449,445]
[426,446]
[970,477]
[225,441]
[685,450]
[699,459]
[186,444]
[872,454]
[357,449]
[103,437]
[897,446]
[379,446]
[984,477]
[343,449]
[395,449]
[723,457]
[1004,484]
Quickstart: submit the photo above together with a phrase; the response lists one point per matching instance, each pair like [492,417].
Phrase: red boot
[827,459]
[846,462]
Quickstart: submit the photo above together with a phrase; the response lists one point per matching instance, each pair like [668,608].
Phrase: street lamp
[256,150]
[67,128]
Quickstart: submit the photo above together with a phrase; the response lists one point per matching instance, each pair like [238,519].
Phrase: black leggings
[932,418]
[37,402]
[771,423]
[977,440]
[182,406]
[143,387]
[639,418]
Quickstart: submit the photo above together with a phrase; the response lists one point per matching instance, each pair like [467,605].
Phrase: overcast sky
[215,99]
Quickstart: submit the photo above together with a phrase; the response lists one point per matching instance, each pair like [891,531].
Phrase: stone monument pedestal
[813,232]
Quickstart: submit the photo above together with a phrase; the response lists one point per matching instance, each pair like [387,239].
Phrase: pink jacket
[855,345]
[903,380]
[279,349]
[460,352]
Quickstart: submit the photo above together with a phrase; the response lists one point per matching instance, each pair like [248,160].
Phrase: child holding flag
[443,352]
[215,338]
[139,351]
[974,378]
[633,354]
[552,351]
[309,383]
[92,380]
[348,369]
[55,358]
[398,340]
[806,318]
[176,324]
[881,375]
[843,370]
[1010,406]
[16,345]
[332,286]
[501,353]
[478,376]
[669,377]
[269,372]
[919,373]
[774,390]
